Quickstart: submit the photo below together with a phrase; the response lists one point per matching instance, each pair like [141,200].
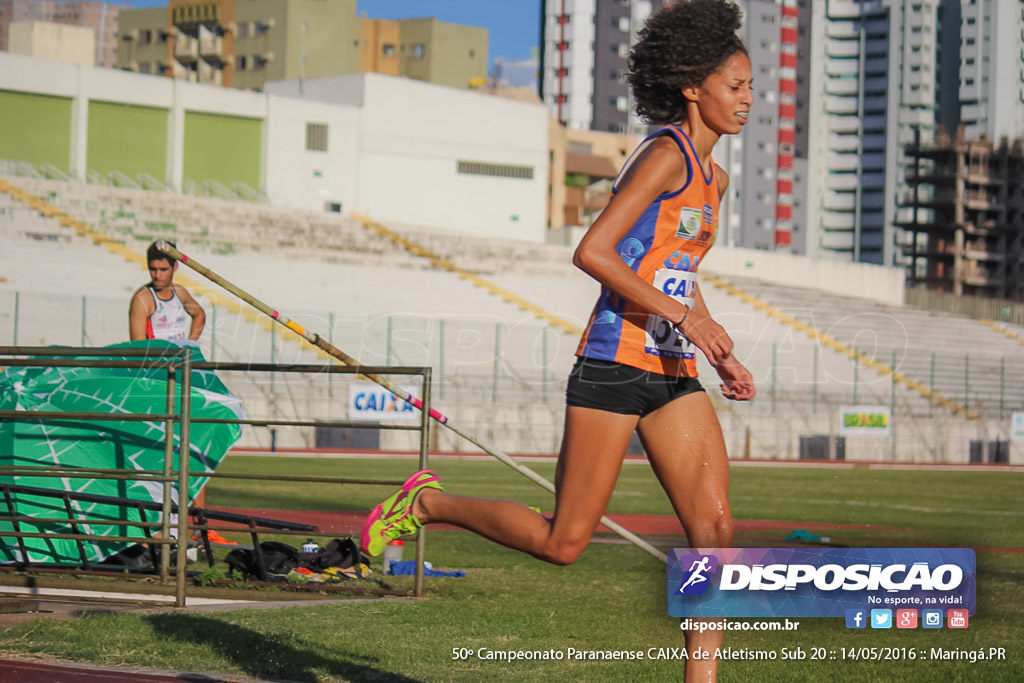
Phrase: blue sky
[513,25]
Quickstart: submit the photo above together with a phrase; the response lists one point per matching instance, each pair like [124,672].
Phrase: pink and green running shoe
[393,517]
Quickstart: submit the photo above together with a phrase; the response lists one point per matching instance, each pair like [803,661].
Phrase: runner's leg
[684,443]
[593,448]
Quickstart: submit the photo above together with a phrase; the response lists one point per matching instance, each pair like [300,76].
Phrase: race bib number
[661,337]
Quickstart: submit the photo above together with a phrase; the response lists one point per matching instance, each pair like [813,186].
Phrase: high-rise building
[871,75]
[101,17]
[992,68]
[585,48]
[759,207]
[245,43]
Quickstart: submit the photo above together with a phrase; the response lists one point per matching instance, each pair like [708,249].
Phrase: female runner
[636,367]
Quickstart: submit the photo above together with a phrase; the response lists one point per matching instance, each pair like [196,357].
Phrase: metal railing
[177,362]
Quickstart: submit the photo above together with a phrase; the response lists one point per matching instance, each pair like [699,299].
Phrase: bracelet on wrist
[679,325]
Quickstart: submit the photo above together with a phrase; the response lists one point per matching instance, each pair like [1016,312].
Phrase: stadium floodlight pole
[316,340]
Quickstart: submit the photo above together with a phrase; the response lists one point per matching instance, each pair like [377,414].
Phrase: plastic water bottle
[310,546]
[392,553]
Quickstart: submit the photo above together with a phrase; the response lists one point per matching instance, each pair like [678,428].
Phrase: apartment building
[873,79]
[758,212]
[241,43]
[585,47]
[992,68]
[246,43]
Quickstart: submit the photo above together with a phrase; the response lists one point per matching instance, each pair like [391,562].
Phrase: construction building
[966,207]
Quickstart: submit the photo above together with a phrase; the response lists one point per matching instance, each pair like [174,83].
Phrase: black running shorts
[618,388]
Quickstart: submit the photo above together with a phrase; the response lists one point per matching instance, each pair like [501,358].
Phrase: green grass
[613,598]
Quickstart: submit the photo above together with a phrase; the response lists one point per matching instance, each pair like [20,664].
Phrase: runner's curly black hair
[680,46]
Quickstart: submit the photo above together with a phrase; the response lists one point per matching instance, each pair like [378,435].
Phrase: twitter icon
[881,618]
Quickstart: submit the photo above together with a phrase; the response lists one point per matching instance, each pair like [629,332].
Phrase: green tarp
[102,444]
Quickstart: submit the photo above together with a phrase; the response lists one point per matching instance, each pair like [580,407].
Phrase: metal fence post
[17,302]
[184,452]
[774,347]
[892,398]
[931,387]
[1002,385]
[83,321]
[165,519]
[544,364]
[389,343]
[440,359]
[273,354]
[424,464]
[497,355]
[814,382]
[967,381]
[856,377]
[213,334]
[892,412]
[330,338]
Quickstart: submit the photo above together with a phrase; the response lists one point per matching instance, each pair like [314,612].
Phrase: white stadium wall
[393,144]
[412,136]
[295,176]
[861,280]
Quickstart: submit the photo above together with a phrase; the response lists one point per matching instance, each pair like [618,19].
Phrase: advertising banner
[864,420]
[818,582]
[369,402]
[1017,430]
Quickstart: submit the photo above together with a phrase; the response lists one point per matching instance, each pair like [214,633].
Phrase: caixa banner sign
[370,403]
[817,582]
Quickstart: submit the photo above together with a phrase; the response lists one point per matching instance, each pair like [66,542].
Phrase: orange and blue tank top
[664,247]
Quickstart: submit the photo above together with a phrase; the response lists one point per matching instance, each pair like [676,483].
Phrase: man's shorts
[617,388]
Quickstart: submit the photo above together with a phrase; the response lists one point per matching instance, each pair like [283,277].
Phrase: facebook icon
[856,618]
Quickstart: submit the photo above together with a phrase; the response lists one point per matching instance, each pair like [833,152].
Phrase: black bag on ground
[340,552]
[278,560]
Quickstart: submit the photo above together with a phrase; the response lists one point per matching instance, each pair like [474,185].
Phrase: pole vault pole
[316,340]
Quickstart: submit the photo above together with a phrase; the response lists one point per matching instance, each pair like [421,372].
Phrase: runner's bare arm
[737,381]
[139,310]
[193,308]
[660,168]
[699,327]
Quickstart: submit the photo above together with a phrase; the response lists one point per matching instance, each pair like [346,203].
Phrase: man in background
[161,309]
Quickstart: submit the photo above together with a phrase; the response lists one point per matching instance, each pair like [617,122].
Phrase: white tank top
[169,321]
